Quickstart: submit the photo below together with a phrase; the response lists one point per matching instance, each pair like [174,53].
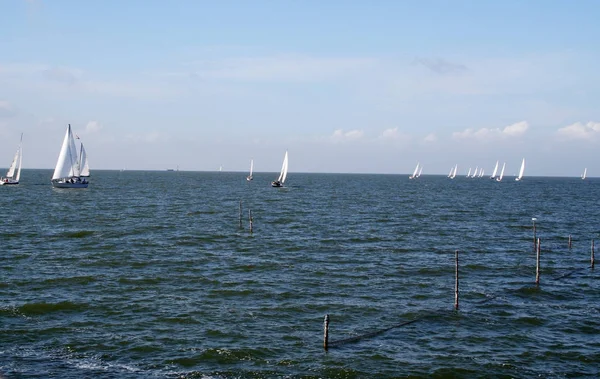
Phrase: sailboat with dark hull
[283,175]
[67,173]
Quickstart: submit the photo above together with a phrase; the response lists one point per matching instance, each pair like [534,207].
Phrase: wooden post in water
[240,214]
[534,233]
[250,219]
[569,242]
[592,259]
[326,332]
[456,280]
[537,267]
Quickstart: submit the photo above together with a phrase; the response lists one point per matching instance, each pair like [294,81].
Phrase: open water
[149,275]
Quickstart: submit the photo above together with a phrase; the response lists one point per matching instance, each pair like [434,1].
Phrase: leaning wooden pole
[569,242]
[592,258]
[326,332]
[456,280]
[537,266]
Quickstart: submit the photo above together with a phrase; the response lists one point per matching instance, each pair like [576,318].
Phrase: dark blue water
[149,275]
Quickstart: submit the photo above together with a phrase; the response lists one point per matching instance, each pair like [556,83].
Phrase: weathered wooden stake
[592,259]
[250,219]
[537,268]
[326,332]
[456,281]
[534,233]
[240,214]
[569,241]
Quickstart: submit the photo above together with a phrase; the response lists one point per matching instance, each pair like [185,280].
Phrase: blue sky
[345,86]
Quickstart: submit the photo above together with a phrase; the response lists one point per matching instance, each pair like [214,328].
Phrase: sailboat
[495,171]
[415,173]
[11,177]
[83,163]
[420,171]
[453,173]
[284,169]
[469,173]
[499,179]
[67,173]
[521,171]
[249,177]
[475,173]
[584,173]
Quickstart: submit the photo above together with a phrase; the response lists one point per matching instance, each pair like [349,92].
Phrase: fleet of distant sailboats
[72,167]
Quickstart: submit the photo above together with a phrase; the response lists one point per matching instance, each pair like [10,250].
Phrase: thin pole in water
[250,219]
[456,280]
[534,232]
[326,332]
[240,214]
[537,268]
[592,259]
[569,242]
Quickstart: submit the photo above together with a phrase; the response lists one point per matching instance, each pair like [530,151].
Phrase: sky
[344,86]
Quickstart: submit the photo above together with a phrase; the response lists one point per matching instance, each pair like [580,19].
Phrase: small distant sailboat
[67,173]
[481,173]
[495,171]
[420,171]
[415,173]
[521,171]
[15,166]
[584,174]
[283,174]
[249,177]
[475,173]
[453,173]
[499,179]
[469,173]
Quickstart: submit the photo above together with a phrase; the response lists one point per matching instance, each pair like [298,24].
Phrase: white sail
[67,164]
[499,179]
[420,171]
[451,171]
[469,173]
[414,174]
[83,162]
[475,173]
[481,173]
[16,163]
[584,173]
[284,169]
[521,171]
[495,171]
[251,166]
[454,173]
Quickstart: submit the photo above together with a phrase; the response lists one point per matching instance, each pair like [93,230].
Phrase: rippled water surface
[150,275]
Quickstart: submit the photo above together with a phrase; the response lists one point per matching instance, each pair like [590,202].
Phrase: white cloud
[431,137]
[287,68]
[484,134]
[7,109]
[340,136]
[93,127]
[579,130]
[150,137]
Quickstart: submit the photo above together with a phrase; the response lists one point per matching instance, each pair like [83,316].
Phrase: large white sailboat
[584,173]
[67,173]
[283,174]
[495,171]
[499,179]
[14,171]
[249,177]
[521,171]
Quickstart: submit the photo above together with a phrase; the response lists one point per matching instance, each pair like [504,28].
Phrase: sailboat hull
[276,184]
[69,185]
[7,182]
